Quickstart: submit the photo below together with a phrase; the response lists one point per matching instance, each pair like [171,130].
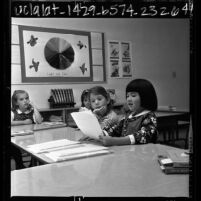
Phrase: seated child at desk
[139,126]
[85,102]
[23,111]
[102,107]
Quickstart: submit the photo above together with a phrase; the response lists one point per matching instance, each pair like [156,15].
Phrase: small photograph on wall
[114,68]
[114,49]
[126,69]
[125,50]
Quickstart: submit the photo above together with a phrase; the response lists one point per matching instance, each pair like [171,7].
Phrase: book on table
[62,150]
[21,133]
[47,125]
[80,151]
[173,170]
[175,161]
[52,146]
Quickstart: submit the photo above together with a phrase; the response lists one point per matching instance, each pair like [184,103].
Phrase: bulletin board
[60,55]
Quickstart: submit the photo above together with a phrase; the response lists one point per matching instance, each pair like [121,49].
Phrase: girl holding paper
[139,126]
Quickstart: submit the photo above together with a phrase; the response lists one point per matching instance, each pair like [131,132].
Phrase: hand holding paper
[87,123]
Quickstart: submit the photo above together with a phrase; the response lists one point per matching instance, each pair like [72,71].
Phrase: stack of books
[175,162]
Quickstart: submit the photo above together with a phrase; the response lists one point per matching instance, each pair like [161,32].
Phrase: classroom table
[38,127]
[129,171]
[41,134]
[168,115]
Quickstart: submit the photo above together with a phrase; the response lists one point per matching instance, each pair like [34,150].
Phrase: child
[139,126]
[102,107]
[23,111]
[85,102]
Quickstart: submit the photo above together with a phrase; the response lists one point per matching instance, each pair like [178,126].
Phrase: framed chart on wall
[55,55]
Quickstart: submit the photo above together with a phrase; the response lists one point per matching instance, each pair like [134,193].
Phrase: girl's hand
[83,109]
[29,105]
[106,140]
[100,111]
[32,104]
[27,121]
[84,138]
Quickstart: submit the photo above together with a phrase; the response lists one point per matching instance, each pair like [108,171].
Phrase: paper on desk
[87,123]
[46,125]
[23,132]
[52,145]
[84,150]
[53,123]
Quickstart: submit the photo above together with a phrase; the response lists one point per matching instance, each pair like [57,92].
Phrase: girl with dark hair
[139,126]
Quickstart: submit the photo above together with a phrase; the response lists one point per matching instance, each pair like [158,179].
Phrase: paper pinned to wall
[87,123]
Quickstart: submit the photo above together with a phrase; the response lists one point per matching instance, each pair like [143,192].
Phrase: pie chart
[59,53]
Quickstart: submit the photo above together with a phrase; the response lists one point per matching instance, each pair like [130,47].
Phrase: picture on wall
[125,50]
[120,65]
[114,50]
[126,69]
[114,68]
[55,55]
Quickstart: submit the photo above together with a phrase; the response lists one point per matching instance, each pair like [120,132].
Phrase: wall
[160,53]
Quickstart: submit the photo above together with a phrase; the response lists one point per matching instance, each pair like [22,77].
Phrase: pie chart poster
[55,55]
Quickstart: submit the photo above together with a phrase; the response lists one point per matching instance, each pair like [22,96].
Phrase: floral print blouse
[108,120]
[142,127]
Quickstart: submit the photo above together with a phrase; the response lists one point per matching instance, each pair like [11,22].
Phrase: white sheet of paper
[23,132]
[46,125]
[87,123]
[52,145]
[166,161]
[83,150]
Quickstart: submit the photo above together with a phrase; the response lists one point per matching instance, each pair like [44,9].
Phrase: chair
[183,125]
[170,131]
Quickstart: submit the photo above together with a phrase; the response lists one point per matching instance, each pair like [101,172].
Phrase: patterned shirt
[142,127]
[107,120]
[18,115]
